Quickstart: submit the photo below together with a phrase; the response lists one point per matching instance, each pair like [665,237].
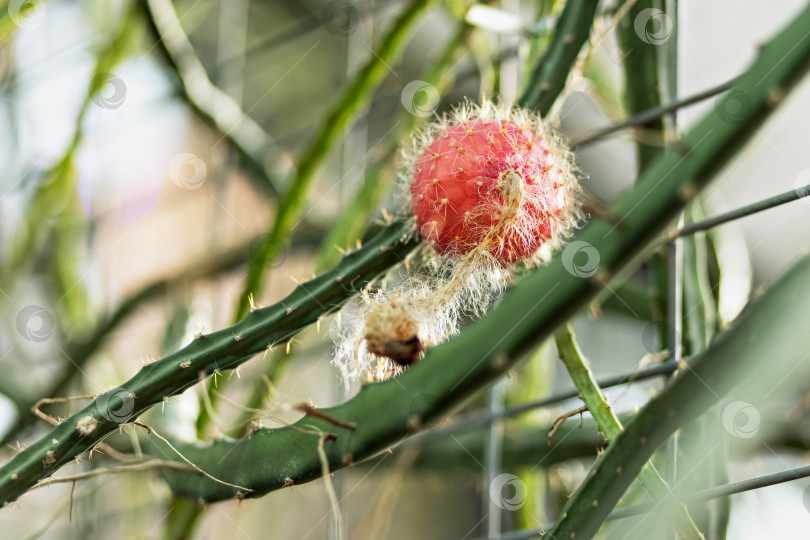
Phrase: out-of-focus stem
[577,365]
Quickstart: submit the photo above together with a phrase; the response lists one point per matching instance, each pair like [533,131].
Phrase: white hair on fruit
[492,190]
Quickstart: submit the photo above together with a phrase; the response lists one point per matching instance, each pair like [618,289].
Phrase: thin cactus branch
[212,104]
[549,76]
[209,353]
[478,420]
[308,23]
[642,90]
[587,388]
[577,365]
[80,350]
[699,315]
[731,359]
[747,210]
[352,100]
[650,114]
[387,412]
[724,490]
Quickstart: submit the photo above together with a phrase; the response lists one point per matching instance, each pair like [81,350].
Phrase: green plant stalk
[209,353]
[731,359]
[386,412]
[699,306]
[58,193]
[213,105]
[642,92]
[354,99]
[183,516]
[668,80]
[64,258]
[7,24]
[699,322]
[675,512]
[641,84]
[549,76]
[350,225]
[535,379]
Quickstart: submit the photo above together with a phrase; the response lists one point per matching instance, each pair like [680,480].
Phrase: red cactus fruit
[497,184]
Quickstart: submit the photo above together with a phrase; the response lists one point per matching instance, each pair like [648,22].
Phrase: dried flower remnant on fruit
[392,331]
[379,334]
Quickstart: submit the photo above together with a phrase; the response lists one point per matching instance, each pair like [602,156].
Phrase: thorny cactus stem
[209,353]
[670,506]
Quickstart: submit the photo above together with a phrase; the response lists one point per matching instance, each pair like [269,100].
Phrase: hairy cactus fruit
[492,179]
[489,186]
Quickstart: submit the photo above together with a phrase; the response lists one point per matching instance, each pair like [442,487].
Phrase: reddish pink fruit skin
[458,172]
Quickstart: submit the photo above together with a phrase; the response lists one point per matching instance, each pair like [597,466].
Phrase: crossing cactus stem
[220,350]
[774,319]
[352,100]
[571,31]
[671,508]
[528,313]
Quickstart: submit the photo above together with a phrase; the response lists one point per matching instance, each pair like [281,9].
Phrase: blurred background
[139,175]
